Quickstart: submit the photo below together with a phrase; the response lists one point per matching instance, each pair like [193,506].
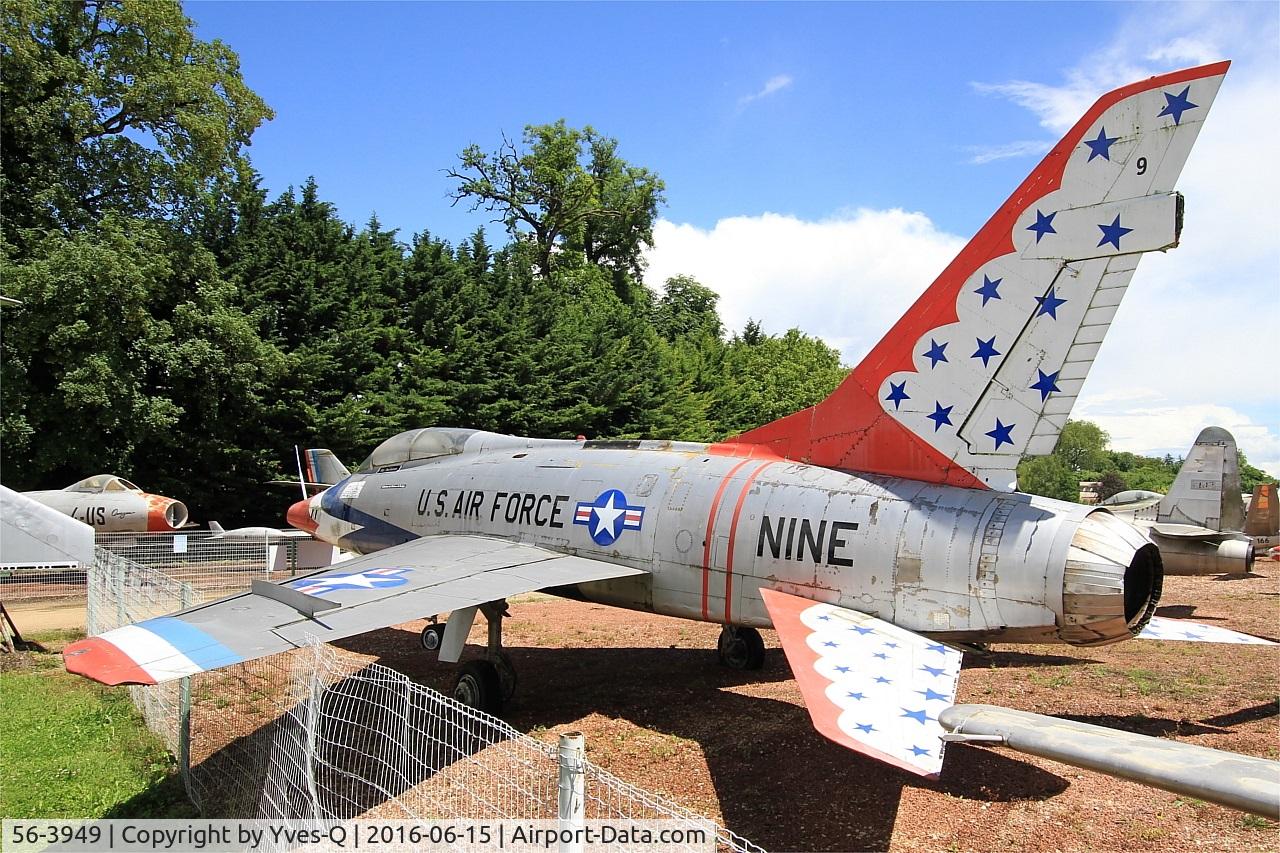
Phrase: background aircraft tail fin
[1263,518]
[1206,492]
[321,466]
[986,365]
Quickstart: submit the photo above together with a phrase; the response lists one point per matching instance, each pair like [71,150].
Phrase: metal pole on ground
[184,708]
[572,808]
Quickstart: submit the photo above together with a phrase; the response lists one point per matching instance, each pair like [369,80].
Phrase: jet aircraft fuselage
[111,504]
[712,524]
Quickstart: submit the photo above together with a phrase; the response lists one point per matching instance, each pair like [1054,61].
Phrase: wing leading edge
[435,574]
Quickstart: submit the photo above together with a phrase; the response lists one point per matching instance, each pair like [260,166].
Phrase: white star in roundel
[606,515]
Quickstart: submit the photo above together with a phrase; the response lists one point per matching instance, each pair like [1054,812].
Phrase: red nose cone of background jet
[299,516]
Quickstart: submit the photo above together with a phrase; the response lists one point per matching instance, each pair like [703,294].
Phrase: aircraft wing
[869,685]
[430,575]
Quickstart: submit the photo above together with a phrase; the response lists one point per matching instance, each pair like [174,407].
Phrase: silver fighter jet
[876,530]
[1197,526]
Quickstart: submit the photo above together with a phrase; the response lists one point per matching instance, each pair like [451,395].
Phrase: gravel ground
[658,711]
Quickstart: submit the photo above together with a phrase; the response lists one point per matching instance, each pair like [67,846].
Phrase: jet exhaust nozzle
[165,514]
[1112,582]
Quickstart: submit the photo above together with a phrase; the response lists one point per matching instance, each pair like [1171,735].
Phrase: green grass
[71,748]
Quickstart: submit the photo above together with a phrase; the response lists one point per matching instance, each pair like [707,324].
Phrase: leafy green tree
[686,308]
[569,196]
[1049,476]
[127,355]
[114,105]
[1082,446]
[1250,476]
[765,377]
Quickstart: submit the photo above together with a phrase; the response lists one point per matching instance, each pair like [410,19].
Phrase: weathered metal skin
[954,563]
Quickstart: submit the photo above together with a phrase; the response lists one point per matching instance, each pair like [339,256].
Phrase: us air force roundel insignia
[607,516]
[368,579]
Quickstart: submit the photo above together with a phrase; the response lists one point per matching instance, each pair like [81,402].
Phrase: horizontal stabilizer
[869,685]
[1226,778]
[1160,628]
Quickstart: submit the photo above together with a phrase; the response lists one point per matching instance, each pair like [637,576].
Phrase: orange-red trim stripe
[733,532]
[710,537]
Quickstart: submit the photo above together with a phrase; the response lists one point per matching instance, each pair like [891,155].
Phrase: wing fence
[319,733]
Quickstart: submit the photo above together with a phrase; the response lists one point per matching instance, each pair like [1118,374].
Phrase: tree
[1112,483]
[1082,446]
[686,308]
[127,355]
[114,105]
[1049,476]
[765,377]
[1250,476]
[569,197]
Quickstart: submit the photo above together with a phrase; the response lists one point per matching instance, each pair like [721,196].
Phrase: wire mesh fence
[213,565]
[26,583]
[319,733]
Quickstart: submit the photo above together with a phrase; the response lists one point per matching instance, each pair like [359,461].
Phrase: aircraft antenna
[302,481]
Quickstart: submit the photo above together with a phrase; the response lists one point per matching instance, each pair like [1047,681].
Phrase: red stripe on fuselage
[733,533]
[711,530]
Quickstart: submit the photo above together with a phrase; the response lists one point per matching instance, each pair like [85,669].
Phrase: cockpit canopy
[1131,496]
[416,444]
[100,483]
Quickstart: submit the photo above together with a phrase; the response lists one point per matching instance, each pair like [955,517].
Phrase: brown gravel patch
[658,711]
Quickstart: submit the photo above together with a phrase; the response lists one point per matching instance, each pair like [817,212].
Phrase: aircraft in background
[111,504]
[874,530]
[318,469]
[1262,519]
[1198,525]
[255,534]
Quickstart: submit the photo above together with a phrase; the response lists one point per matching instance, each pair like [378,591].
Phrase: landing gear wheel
[741,648]
[506,675]
[479,687]
[433,636]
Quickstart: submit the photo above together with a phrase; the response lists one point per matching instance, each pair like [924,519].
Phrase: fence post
[571,808]
[184,709]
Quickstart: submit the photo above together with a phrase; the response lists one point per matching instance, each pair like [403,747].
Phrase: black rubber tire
[432,636]
[477,686]
[741,648]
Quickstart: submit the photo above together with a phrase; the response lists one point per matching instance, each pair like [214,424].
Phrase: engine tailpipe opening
[1112,582]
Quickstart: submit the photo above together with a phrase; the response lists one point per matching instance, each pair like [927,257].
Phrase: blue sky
[867,139]
[376,99]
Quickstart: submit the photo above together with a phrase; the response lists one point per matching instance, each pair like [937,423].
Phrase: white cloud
[990,153]
[772,85]
[845,279]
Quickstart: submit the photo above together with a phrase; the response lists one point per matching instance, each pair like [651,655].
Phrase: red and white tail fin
[986,365]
